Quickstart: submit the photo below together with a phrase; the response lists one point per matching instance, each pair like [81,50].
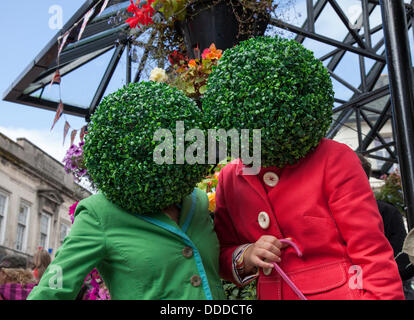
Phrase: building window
[64,230]
[22,227]
[44,231]
[3,211]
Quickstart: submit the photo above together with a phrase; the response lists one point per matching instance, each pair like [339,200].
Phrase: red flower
[177,58]
[142,16]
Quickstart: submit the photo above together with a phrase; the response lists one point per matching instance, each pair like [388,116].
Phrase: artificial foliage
[233,292]
[275,85]
[119,147]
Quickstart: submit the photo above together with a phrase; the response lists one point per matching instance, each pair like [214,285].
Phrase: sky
[25,30]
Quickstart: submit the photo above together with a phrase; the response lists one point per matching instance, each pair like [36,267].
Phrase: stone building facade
[35,196]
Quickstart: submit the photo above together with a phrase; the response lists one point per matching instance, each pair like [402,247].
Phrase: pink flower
[72,210]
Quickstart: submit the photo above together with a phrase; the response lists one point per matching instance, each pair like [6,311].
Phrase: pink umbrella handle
[283,274]
[289,282]
[292,244]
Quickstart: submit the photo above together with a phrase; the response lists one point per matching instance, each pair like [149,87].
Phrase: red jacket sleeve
[353,206]
[226,232]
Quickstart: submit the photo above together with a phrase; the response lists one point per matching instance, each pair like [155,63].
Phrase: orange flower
[212,202]
[192,63]
[212,53]
[216,174]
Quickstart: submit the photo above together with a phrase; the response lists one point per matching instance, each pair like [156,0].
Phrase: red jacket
[325,204]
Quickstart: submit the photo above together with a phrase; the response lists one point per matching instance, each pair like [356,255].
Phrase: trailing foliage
[278,86]
[119,147]
[392,192]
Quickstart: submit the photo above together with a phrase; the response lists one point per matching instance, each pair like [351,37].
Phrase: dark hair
[13,261]
[366,165]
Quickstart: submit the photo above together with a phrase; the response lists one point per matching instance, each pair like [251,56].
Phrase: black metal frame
[365,93]
[99,37]
[402,95]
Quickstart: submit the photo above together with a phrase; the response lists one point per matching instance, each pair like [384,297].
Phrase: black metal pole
[402,98]
[128,63]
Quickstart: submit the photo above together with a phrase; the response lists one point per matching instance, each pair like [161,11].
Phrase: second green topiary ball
[275,85]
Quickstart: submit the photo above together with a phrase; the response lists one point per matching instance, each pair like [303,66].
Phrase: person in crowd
[305,223]
[41,261]
[147,231]
[395,232]
[16,281]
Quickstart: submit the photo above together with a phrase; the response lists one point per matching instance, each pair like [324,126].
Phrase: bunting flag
[72,136]
[85,22]
[65,38]
[59,112]
[56,78]
[82,133]
[103,6]
[65,131]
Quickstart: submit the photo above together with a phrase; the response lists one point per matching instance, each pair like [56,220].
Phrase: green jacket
[139,256]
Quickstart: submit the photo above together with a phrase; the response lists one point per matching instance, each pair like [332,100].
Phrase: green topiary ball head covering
[119,147]
[276,85]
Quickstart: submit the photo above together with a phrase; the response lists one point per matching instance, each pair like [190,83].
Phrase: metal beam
[381,121]
[290,27]
[401,86]
[86,46]
[52,105]
[338,123]
[65,70]
[317,10]
[364,98]
[349,39]
[345,83]
[366,14]
[311,16]
[106,79]
[390,144]
[144,58]
[128,63]
[359,129]
[380,138]
[347,23]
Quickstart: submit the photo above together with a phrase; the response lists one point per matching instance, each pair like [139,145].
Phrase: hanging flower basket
[224,23]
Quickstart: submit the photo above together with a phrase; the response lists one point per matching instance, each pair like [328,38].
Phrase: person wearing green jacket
[148,230]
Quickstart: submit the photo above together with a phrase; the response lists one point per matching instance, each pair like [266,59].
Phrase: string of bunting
[57,79]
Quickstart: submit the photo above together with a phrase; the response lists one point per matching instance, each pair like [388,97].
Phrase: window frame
[26,226]
[5,216]
[47,242]
[60,232]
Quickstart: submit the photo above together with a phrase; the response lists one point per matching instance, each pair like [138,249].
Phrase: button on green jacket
[138,256]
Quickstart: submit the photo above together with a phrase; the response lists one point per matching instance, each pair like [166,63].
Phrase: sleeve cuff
[238,265]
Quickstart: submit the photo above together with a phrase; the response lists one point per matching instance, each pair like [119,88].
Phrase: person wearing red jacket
[325,205]
[307,224]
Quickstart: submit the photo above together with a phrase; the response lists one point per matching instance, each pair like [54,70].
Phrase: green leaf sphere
[275,85]
[119,147]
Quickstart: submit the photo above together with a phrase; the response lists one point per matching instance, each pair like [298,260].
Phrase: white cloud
[49,142]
